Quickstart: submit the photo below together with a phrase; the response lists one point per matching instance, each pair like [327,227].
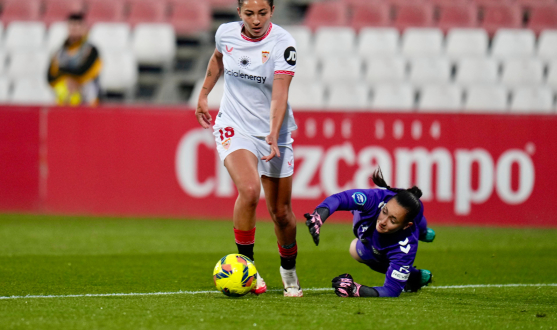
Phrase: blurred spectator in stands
[75,68]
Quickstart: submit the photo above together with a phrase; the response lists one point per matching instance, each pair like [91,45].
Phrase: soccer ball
[235,275]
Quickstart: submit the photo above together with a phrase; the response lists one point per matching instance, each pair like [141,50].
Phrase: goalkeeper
[387,223]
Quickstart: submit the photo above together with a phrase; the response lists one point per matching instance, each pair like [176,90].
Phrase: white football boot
[260,287]
[290,282]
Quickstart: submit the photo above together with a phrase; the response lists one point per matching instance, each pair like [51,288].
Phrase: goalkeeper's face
[392,218]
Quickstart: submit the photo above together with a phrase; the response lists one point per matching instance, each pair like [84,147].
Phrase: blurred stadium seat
[108,37]
[24,36]
[20,10]
[522,71]
[386,70]
[328,13]
[56,36]
[306,96]
[307,69]
[440,98]
[543,17]
[341,69]
[154,44]
[477,71]
[32,91]
[463,43]
[417,42]
[511,43]
[370,14]
[331,41]
[105,11]
[4,89]
[191,18]
[3,61]
[348,96]
[28,64]
[394,97]
[413,14]
[486,98]
[551,79]
[378,42]
[532,99]
[304,39]
[119,72]
[457,15]
[498,16]
[147,11]
[59,10]
[547,45]
[429,70]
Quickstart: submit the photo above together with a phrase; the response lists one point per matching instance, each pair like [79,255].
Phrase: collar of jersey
[258,39]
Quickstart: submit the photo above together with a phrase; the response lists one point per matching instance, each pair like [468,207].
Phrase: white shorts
[229,139]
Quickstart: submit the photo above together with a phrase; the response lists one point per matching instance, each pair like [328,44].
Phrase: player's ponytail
[407,198]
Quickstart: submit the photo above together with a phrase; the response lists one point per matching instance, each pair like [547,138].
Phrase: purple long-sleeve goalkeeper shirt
[396,252]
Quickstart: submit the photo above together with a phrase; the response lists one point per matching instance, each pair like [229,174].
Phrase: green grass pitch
[60,256]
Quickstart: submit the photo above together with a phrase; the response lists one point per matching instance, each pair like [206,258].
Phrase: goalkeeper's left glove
[345,286]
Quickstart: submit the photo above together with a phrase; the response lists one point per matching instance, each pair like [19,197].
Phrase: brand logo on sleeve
[229,50]
[264,56]
[290,55]
[359,198]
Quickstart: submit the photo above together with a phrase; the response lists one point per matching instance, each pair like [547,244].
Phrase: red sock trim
[244,237]
[288,253]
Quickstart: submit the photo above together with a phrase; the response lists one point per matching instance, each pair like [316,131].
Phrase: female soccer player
[388,224]
[252,128]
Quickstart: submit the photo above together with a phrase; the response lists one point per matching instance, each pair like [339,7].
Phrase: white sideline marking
[471,286]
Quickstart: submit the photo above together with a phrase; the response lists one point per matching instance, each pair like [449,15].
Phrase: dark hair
[407,198]
[241,2]
[76,17]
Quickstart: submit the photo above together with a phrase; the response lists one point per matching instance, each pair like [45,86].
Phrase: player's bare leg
[242,167]
[278,195]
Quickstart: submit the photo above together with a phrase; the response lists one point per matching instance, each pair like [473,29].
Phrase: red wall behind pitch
[159,162]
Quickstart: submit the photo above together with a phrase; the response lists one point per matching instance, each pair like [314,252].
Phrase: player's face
[256,15]
[391,219]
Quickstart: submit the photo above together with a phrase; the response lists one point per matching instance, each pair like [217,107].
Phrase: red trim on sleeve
[260,38]
[291,73]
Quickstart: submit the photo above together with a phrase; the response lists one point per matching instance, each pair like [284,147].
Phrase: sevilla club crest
[264,56]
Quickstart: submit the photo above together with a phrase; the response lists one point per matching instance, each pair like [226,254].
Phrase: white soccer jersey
[249,69]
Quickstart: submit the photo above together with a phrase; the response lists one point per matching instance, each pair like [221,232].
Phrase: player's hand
[314,224]
[345,286]
[272,141]
[202,113]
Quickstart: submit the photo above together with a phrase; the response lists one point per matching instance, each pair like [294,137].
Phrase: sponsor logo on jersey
[290,55]
[226,144]
[264,56]
[229,50]
[359,198]
[405,269]
[244,62]
[291,162]
[241,75]
[399,276]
